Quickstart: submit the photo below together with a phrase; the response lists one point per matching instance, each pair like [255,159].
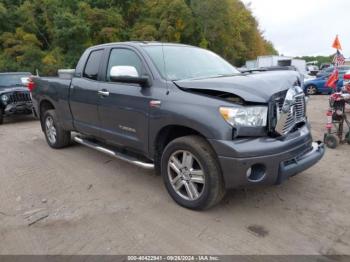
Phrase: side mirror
[128,74]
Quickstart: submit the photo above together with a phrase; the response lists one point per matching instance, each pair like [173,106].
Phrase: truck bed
[57,91]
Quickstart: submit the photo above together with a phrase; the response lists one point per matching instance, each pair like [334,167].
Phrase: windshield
[184,62]
[12,80]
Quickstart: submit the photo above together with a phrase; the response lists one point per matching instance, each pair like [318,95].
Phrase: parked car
[325,65]
[14,95]
[318,85]
[328,71]
[312,70]
[183,110]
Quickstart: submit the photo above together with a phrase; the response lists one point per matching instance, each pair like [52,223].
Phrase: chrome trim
[117,155]
[292,111]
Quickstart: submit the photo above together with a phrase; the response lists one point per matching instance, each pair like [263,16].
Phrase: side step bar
[126,158]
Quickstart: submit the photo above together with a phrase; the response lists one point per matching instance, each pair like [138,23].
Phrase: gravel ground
[78,201]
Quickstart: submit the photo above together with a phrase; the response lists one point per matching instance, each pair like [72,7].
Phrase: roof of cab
[137,43]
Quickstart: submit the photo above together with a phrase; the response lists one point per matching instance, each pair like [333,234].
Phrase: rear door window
[93,64]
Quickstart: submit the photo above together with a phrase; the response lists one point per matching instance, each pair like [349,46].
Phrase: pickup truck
[184,111]
[14,94]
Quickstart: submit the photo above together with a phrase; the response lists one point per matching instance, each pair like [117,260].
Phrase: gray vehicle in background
[14,94]
[185,111]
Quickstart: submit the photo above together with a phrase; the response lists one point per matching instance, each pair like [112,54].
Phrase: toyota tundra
[184,111]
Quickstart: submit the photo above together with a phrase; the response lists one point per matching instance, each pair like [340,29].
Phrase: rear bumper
[267,161]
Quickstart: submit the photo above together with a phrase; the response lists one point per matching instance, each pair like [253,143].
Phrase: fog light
[256,173]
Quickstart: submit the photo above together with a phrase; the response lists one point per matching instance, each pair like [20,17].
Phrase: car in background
[318,85]
[14,94]
[328,71]
[303,76]
[325,65]
[312,70]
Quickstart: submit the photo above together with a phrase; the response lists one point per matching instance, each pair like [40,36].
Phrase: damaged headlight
[250,116]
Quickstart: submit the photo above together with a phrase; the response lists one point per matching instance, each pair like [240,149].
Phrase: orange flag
[333,79]
[336,43]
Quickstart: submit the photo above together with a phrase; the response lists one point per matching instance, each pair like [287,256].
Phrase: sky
[304,27]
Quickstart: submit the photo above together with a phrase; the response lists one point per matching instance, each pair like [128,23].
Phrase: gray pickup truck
[184,111]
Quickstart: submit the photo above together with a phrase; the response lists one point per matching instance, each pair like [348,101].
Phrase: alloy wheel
[186,175]
[50,130]
[311,90]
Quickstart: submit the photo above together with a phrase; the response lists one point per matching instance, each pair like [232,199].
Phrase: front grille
[20,97]
[296,114]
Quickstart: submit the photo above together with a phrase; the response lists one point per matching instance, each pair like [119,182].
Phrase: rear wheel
[191,173]
[55,135]
[311,90]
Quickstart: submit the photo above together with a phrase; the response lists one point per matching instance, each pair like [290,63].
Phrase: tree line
[51,34]
[318,59]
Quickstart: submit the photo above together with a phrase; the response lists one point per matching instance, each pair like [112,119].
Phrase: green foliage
[52,34]
[24,49]
[320,59]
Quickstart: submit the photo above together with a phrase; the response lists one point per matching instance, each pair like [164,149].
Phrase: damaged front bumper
[267,161]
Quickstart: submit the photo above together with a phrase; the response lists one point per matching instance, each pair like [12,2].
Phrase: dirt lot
[78,201]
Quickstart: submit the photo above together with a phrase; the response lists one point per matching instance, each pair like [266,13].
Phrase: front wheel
[55,135]
[311,90]
[191,173]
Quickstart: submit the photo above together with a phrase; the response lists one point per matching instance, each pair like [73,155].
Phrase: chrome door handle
[103,93]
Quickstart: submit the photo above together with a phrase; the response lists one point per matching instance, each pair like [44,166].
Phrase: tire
[1,117]
[332,141]
[200,182]
[55,135]
[311,90]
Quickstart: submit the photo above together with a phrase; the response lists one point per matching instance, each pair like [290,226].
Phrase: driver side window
[123,57]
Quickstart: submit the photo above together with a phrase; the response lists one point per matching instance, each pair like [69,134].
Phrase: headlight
[4,98]
[250,116]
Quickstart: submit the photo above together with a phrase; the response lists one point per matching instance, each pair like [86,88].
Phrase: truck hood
[258,87]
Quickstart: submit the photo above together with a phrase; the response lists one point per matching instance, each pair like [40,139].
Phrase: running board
[126,158]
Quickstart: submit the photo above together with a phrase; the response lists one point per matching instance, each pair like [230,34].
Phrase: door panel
[84,105]
[124,112]
[84,96]
[124,115]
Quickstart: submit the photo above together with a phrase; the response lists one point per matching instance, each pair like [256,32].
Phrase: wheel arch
[167,134]
[44,106]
